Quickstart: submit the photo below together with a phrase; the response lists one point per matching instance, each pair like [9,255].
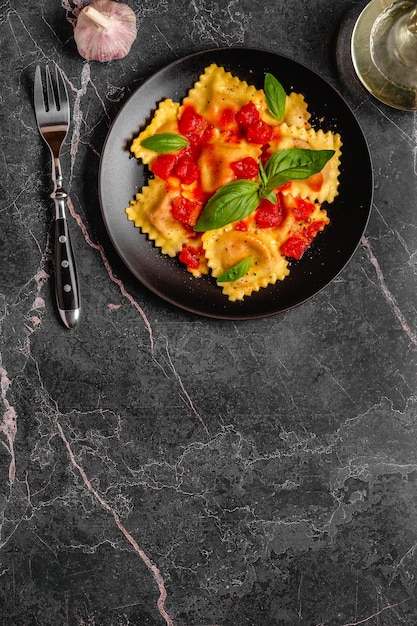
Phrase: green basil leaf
[295,164]
[269,194]
[262,175]
[231,203]
[165,142]
[276,97]
[236,272]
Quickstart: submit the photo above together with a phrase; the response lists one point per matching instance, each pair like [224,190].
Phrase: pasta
[235,184]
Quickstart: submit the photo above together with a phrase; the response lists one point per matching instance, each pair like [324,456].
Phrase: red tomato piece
[314,228]
[245,168]
[259,132]
[268,214]
[208,134]
[186,211]
[186,170]
[227,117]
[189,256]
[247,116]
[193,125]
[302,209]
[295,246]
[241,226]
[194,151]
[164,165]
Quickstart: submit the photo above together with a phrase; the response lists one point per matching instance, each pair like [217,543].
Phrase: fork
[53,120]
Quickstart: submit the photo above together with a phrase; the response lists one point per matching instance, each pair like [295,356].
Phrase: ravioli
[231,133]
[324,186]
[217,94]
[151,211]
[225,247]
[164,120]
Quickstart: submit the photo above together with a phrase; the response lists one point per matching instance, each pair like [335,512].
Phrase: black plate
[121,176]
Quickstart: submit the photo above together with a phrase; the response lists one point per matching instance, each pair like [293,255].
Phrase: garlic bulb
[105,30]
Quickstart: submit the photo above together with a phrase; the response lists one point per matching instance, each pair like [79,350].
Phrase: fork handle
[66,283]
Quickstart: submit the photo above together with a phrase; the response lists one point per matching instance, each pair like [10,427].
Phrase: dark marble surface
[162,468]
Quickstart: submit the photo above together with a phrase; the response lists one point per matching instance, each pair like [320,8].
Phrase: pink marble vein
[370,618]
[8,424]
[388,295]
[147,561]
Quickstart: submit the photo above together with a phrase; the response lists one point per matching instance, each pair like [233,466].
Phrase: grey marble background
[161,468]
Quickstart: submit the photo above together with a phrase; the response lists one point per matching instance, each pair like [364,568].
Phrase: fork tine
[38,91]
[50,94]
[62,90]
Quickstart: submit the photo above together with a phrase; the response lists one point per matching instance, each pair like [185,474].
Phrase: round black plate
[121,176]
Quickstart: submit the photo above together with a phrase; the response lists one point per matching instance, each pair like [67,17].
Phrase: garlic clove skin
[105,30]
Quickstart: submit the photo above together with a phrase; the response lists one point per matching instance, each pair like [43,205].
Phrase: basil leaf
[232,202]
[236,272]
[295,164]
[269,194]
[262,175]
[276,97]
[165,142]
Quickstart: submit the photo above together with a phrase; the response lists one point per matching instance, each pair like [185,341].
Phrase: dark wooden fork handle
[66,283]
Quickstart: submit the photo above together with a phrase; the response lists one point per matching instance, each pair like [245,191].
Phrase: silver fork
[53,119]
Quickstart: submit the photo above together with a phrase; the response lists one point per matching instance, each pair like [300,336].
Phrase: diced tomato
[191,122]
[259,132]
[207,135]
[186,170]
[241,226]
[164,165]
[314,228]
[247,116]
[302,209]
[245,168]
[194,151]
[295,246]
[190,257]
[186,211]
[194,126]
[227,117]
[268,214]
